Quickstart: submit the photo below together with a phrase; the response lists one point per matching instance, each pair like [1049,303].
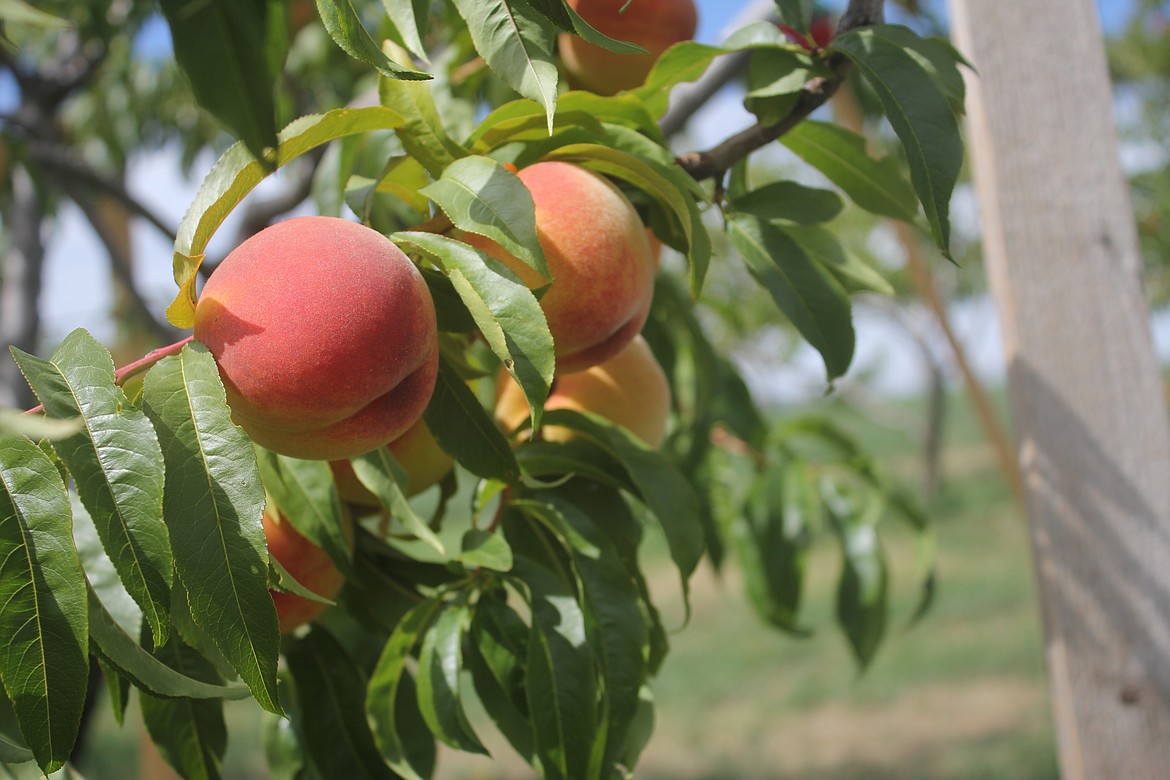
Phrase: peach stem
[138,366]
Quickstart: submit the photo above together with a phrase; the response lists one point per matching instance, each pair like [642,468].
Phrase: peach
[655,25]
[425,463]
[629,389]
[308,564]
[599,259]
[325,337]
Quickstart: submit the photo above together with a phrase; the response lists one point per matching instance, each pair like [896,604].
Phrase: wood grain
[1088,402]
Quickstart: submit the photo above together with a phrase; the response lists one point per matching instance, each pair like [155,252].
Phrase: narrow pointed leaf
[561,681]
[410,18]
[345,28]
[805,292]
[306,495]
[496,657]
[115,620]
[863,588]
[790,201]
[37,427]
[391,694]
[213,503]
[822,245]
[44,662]
[661,487]
[422,134]
[506,311]
[383,477]
[221,46]
[877,185]
[517,43]
[615,625]
[331,690]
[116,464]
[440,663]
[566,19]
[485,550]
[190,733]
[921,116]
[13,750]
[481,196]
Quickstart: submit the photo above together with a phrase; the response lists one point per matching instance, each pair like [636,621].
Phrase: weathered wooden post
[1089,410]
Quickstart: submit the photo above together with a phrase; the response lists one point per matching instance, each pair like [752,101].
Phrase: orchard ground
[960,696]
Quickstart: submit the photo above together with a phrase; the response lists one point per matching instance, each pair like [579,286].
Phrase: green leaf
[37,427]
[792,12]
[863,589]
[190,733]
[822,245]
[496,657]
[147,672]
[115,620]
[383,477]
[776,78]
[465,431]
[485,550]
[306,495]
[213,503]
[20,12]
[791,202]
[772,541]
[936,55]
[921,116]
[44,662]
[661,486]
[506,311]
[237,172]
[561,683]
[614,622]
[410,18]
[581,457]
[805,292]
[876,185]
[566,19]
[330,691]
[116,464]
[388,688]
[222,46]
[13,750]
[440,663]
[517,44]
[345,28]
[680,63]
[422,134]
[481,196]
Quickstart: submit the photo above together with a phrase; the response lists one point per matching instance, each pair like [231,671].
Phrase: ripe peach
[308,564]
[655,25]
[629,389]
[416,451]
[599,258]
[325,337]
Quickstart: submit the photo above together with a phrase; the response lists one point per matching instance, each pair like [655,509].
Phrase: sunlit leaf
[43,659]
[213,504]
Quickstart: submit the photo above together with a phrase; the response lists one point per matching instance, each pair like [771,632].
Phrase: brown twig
[140,365]
[716,161]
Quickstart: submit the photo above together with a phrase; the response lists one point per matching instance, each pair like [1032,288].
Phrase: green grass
[959,696]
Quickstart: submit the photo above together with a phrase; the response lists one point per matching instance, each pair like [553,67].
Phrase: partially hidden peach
[308,564]
[325,337]
[599,258]
[655,25]
[418,453]
[629,389]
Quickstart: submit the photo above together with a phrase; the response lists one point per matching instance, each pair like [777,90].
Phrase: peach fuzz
[599,258]
[629,389]
[308,564]
[325,337]
[655,25]
[418,453]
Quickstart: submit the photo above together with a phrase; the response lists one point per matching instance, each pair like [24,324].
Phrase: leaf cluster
[131,520]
